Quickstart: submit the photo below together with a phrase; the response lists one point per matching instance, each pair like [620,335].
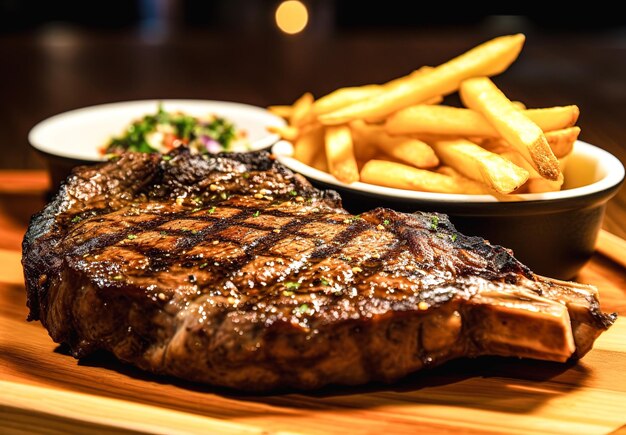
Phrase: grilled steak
[232,270]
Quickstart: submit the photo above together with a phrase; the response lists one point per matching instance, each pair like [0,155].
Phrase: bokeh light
[292,17]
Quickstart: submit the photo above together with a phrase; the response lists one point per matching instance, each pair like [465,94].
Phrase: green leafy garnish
[453,237]
[256,213]
[293,193]
[131,236]
[76,219]
[386,222]
[287,293]
[211,210]
[302,309]
[324,281]
[434,223]
[174,128]
[292,285]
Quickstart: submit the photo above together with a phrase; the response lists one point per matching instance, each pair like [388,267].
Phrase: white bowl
[589,169]
[554,233]
[79,134]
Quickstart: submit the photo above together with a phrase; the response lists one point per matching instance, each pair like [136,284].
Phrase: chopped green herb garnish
[256,213]
[211,210]
[356,217]
[163,233]
[434,223]
[453,237]
[292,285]
[76,219]
[293,193]
[196,209]
[386,222]
[324,281]
[166,158]
[164,130]
[287,293]
[304,308]
[131,236]
[203,265]
[246,175]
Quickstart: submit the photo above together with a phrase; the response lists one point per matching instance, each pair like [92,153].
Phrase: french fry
[408,150]
[541,185]
[487,59]
[535,183]
[407,78]
[523,134]
[454,121]
[301,109]
[282,111]
[388,134]
[391,174]
[319,161]
[286,132]
[554,118]
[340,154]
[467,184]
[481,165]
[403,148]
[474,187]
[434,100]
[344,97]
[308,145]
[561,142]
[364,149]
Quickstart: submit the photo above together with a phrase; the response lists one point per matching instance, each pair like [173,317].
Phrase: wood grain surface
[45,390]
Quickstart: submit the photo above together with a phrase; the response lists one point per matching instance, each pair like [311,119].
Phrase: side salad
[163,131]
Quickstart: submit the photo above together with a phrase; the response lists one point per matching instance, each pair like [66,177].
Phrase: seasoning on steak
[232,270]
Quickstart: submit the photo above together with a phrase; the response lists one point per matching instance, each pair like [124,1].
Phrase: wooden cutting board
[44,390]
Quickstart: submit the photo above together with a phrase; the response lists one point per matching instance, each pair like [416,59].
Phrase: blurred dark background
[61,55]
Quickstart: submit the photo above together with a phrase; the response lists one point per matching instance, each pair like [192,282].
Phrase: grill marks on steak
[256,252]
[236,272]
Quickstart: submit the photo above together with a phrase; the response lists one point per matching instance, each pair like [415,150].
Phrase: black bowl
[553,233]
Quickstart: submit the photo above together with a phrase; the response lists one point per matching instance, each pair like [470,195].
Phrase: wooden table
[44,390]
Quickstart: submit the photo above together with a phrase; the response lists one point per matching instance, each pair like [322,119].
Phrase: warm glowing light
[292,17]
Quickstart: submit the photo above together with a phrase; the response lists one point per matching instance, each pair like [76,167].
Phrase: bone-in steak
[233,271]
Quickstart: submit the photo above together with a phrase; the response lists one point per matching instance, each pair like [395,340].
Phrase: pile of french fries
[399,135]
